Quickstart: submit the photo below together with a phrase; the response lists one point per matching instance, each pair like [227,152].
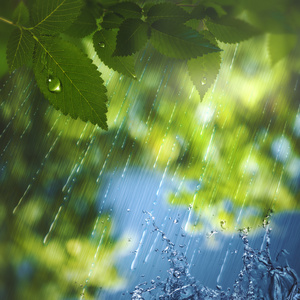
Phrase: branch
[7,21]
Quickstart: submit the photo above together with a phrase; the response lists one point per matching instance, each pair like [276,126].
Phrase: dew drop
[101,44]
[54,85]
[203,81]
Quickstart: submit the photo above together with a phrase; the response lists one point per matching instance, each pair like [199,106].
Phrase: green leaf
[21,14]
[54,16]
[19,48]
[84,25]
[128,10]
[105,43]
[179,41]
[111,20]
[230,30]
[204,70]
[280,45]
[69,80]
[167,11]
[132,37]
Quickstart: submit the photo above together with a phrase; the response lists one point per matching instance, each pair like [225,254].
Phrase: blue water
[163,261]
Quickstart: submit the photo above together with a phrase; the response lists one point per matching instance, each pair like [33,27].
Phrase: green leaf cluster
[64,74]
[188,31]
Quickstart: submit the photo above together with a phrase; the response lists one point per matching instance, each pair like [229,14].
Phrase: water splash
[260,278]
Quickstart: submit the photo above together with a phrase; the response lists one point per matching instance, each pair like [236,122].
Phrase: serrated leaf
[21,14]
[179,41]
[54,16]
[204,70]
[19,48]
[132,37]
[167,11]
[280,45]
[84,25]
[105,43]
[230,30]
[111,20]
[70,81]
[128,10]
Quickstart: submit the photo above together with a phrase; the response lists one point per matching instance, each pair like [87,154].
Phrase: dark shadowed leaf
[198,12]
[21,14]
[105,44]
[132,37]
[167,11]
[230,30]
[54,16]
[128,10]
[179,41]
[111,20]
[84,25]
[147,6]
[19,48]
[70,81]
[204,70]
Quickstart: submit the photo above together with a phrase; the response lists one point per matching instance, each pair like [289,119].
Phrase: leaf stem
[7,21]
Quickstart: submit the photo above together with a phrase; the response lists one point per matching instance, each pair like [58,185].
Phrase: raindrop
[204,81]
[54,85]
[101,44]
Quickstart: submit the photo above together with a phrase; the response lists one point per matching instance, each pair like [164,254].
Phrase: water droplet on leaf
[101,44]
[203,81]
[54,85]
